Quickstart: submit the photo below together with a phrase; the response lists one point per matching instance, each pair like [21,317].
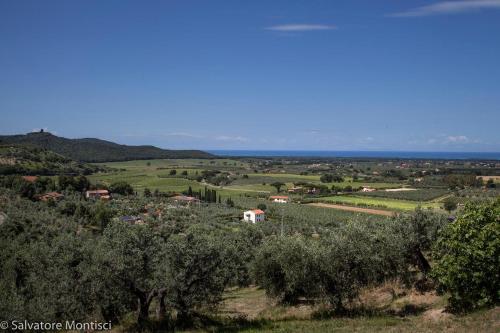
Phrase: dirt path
[354,209]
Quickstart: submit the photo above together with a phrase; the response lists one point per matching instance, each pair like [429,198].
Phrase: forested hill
[29,160]
[96,150]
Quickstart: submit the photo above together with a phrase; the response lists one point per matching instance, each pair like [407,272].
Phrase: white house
[279,198]
[368,189]
[254,215]
[98,194]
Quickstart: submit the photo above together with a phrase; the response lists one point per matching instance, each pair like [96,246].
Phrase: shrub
[468,257]
[123,188]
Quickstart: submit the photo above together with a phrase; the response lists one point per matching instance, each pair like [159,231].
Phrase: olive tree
[130,263]
[198,273]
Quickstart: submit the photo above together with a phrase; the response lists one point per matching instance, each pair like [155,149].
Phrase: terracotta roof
[30,179]
[258,211]
[50,195]
[184,198]
[98,192]
[278,197]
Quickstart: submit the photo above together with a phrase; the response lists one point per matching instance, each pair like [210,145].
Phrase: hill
[96,150]
[29,160]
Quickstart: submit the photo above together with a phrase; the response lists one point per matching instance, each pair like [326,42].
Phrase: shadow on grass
[218,324]
[361,311]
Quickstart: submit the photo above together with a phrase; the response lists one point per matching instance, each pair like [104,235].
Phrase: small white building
[98,194]
[279,198]
[368,189]
[254,215]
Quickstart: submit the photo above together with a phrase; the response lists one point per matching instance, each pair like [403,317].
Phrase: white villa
[279,198]
[254,215]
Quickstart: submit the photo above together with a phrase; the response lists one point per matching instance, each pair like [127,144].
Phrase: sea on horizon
[360,154]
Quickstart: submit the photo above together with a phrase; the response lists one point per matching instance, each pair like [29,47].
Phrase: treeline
[63,183]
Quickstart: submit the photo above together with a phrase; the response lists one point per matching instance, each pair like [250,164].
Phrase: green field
[154,174]
[379,202]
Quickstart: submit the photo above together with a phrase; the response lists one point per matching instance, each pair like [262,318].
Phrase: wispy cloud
[445,139]
[449,7]
[184,135]
[231,138]
[457,139]
[301,27]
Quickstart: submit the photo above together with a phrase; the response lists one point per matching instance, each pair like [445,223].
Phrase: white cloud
[449,7]
[231,138]
[184,135]
[301,27]
[457,139]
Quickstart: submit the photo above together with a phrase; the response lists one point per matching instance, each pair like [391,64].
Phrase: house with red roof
[30,179]
[279,198]
[254,215]
[98,194]
[55,196]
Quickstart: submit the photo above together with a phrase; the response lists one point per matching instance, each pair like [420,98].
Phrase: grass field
[379,202]
[154,174]
[249,310]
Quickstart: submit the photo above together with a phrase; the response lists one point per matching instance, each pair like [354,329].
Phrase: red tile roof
[258,211]
[98,192]
[30,179]
[50,195]
[184,198]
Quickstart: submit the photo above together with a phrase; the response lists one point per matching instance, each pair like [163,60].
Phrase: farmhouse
[254,215]
[295,189]
[185,199]
[132,219]
[312,190]
[97,194]
[368,189]
[30,179]
[56,196]
[279,198]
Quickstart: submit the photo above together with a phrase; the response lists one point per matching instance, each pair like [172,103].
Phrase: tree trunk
[422,263]
[143,302]
[161,309]
[142,312]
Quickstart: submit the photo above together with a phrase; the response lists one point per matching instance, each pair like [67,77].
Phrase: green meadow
[392,204]
[155,175]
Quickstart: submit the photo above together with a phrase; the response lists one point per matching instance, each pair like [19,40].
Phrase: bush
[468,257]
[122,188]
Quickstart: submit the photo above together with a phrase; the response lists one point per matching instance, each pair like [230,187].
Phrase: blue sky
[305,75]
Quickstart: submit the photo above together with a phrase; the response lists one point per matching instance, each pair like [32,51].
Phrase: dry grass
[387,308]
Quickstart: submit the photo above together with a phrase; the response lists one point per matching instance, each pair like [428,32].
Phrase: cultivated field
[353,209]
[402,205]
[155,175]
